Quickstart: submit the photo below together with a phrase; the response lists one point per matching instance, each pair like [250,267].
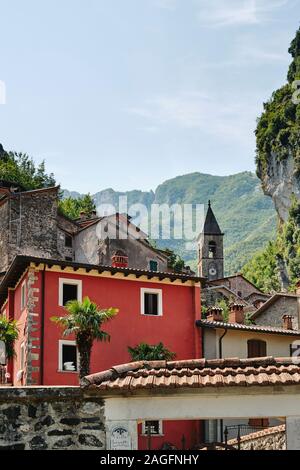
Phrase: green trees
[278,128]
[8,334]
[148,352]
[72,207]
[84,320]
[262,270]
[20,168]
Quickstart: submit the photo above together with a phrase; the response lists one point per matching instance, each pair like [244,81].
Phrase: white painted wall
[234,344]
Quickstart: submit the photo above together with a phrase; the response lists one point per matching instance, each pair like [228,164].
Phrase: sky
[129,93]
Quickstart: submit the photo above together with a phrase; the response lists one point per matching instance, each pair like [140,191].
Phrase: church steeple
[211,226]
[210,248]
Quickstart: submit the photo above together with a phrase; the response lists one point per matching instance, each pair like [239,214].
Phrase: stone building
[279,305]
[211,251]
[234,288]
[30,224]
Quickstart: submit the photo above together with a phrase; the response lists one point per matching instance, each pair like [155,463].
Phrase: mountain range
[246,216]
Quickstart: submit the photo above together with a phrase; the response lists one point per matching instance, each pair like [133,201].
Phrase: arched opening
[212,249]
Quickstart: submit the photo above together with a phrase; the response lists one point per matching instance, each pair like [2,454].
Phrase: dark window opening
[68,241]
[70,292]
[153,426]
[153,266]
[257,348]
[212,249]
[151,304]
[295,350]
[68,258]
[69,357]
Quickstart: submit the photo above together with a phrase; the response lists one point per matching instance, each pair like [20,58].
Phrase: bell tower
[210,248]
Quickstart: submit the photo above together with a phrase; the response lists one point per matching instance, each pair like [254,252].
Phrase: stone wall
[272,316]
[268,439]
[51,418]
[28,223]
[3,237]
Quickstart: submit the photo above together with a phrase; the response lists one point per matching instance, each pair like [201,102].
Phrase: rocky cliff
[278,140]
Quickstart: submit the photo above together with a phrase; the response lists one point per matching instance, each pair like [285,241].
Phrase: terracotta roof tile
[230,372]
[241,327]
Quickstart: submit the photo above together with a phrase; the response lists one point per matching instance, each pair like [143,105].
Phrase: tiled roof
[258,434]
[197,373]
[21,263]
[242,327]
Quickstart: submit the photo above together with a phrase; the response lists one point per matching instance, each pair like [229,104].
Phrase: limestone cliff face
[278,140]
[281,180]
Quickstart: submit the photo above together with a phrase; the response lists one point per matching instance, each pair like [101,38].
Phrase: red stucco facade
[181,307]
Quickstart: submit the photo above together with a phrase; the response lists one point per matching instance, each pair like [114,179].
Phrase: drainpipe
[220,343]
[42,324]
[220,357]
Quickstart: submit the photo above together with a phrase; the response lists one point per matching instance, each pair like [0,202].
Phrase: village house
[238,338]
[32,225]
[153,307]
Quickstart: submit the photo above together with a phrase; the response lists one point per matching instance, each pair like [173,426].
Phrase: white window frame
[23,295]
[61,343]
[74,282]
[160,301]
[144,431]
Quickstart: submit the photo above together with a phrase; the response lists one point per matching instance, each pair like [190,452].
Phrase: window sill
[155,316]
[67,371]
[152,435]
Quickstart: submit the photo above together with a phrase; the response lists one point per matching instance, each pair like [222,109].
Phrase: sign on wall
[2,353]
[120,438]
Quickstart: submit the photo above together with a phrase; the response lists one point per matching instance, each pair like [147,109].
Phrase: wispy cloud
[220,13]
[221,116]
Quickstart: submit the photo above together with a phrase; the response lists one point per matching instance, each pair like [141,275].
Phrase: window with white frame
[154,428]
[151,302]
[23,296]
[69,289]
[67,356]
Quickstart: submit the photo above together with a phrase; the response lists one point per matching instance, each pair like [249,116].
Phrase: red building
[153,307]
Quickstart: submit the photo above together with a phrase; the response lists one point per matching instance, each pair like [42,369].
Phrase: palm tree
[85,319]
[148,352]
[8,334]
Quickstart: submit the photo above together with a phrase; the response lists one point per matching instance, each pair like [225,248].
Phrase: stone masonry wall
[3,237]
[32,332]
[56,418]
[28,225]
[269,439]
[273,315]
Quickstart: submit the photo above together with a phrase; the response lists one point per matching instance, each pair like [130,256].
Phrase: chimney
[288,322]
[236,314]
[215,314]
[119,260]
[82,215]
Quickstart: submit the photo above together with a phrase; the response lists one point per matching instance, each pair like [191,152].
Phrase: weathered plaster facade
[31,225]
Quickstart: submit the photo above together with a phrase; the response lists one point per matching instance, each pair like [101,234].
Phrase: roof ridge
[225,366]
